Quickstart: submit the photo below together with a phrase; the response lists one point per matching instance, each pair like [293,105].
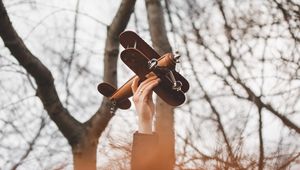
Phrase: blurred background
[241,57]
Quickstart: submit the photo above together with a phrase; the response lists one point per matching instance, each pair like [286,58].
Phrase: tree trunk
[164,113]
[165,129]
[85,154]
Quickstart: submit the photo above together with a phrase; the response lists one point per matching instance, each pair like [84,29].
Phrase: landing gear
[176,84]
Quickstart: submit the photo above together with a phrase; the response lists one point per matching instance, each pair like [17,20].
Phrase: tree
[240,57]
[82,137]
[237,50]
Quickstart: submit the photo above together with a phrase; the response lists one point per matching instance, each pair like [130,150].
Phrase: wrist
[145,127]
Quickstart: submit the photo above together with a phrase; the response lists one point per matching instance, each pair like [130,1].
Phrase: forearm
[144,151]
[144,126]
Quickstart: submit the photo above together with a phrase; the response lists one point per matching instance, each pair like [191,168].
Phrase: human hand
[142,98]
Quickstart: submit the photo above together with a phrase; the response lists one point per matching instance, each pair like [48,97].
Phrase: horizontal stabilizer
[106,89]
[124,104]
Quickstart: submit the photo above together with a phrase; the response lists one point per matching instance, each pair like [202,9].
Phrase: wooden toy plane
[142,60]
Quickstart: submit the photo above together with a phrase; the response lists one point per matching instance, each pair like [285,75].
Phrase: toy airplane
[142,60]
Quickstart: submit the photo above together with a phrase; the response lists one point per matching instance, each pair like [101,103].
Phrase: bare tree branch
[261,142]
[72,54]
[31,144]
[251,95]
[46,91]
[213,108]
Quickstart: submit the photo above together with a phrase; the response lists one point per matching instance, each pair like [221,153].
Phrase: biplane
[142,60]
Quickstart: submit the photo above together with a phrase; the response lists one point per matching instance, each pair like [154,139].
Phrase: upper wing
[130,39]
[138,63]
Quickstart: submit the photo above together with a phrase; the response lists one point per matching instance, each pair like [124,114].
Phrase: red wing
[130,39]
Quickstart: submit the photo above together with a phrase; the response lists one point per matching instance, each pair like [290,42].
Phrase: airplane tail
[108,90]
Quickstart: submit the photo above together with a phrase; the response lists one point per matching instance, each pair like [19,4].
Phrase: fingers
[147,91]
[135,85]
[143,92]
[150,74]
[143,84]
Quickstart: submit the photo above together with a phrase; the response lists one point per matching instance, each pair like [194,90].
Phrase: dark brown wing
[130,39]
[136,61]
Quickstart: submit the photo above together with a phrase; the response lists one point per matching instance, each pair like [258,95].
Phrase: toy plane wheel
[177,86]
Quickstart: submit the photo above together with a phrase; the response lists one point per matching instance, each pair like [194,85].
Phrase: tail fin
[124,104]
[108,90]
